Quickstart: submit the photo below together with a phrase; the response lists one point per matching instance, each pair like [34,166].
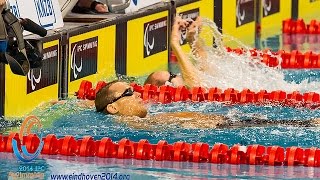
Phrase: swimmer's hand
[178,25]
[193,29]
[53,102]
[316,121]
[86,104]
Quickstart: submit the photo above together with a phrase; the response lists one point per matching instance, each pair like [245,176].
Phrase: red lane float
[179,151]
[290,26]
[168,94]
[288,60]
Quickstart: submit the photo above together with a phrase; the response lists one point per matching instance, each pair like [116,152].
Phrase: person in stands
[90,7]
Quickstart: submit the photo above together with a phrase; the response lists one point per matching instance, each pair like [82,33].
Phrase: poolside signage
[155,36]
[135,5]
[43,12]
[270,7]
[84,56]
[26,126]
[39,78]
[244,12]
[190,14]
[14,8]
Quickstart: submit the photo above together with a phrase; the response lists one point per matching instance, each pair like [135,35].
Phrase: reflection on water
[137,169]
[301,42]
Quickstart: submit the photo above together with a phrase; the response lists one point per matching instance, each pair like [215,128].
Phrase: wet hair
[152,79]
[105,96]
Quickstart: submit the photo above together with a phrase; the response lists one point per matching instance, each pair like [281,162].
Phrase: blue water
[79,122]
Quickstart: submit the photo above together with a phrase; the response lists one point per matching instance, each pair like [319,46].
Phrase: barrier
[91,54]
[22,93]
[308,9]
[196,152]
[240,19]
[192,9]
[272,13]
[146,50]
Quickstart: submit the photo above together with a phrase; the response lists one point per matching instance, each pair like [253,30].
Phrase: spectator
[90,7]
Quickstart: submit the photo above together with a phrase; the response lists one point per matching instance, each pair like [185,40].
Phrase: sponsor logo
[191,14]
[155,36]
[244,12]
[146,43]
[84,55]
[26,126]
[14,8]
[45,12]
[74,67]
[311,1]
[32,78]
[46,75]
[270,7]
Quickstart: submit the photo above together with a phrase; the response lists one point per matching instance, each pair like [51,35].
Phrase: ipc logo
[26,127]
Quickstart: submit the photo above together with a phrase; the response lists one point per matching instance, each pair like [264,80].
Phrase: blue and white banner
[43,12]
[135,5]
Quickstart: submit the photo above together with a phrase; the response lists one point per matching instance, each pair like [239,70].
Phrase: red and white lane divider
[168,94]
[290,26]
[290,60]
[163,151]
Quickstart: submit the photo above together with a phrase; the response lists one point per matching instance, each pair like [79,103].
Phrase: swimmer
[189,72]
[160,78]
[118,98]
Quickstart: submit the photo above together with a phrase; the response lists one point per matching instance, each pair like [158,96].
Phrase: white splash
[231,70]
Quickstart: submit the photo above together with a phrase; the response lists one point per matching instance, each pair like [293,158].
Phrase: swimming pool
[67,119]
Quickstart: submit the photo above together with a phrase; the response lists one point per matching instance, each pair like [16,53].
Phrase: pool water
[67,119]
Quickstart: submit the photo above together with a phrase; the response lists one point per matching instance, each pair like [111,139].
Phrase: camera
[33,51]
[21,54]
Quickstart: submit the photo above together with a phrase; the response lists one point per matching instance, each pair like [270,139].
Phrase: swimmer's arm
[196,44]
[200,53]
[256,122]
[86,104]
[188,70]
[82,103]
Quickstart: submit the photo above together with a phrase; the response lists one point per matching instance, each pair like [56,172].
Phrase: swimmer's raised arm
[195,42]
[189,72]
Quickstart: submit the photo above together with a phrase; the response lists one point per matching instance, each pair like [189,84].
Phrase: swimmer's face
[177,81]
[127,102]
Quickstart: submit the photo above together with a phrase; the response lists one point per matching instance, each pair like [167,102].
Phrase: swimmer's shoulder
[193,115]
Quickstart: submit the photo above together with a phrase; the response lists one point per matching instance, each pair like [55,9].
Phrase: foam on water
[231,70]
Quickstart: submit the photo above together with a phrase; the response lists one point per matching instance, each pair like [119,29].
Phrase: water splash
[231,70]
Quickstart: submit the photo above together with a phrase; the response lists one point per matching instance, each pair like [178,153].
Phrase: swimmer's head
[160,78]
[118,98]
